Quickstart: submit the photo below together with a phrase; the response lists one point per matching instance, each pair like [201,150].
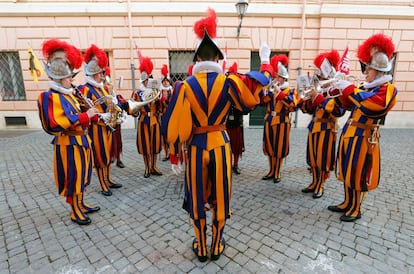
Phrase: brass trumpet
[89,104]
[326,86]
[148,95]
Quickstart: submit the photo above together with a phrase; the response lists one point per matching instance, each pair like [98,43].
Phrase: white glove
[177,169]
[342,84]
[106,117]
[264,53]
[91,112]
[114,100]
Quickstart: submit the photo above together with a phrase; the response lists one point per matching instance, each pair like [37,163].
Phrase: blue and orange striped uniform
[277,124]
[358,159]
[101,136]
[61,116]
[197,116]
[321,143]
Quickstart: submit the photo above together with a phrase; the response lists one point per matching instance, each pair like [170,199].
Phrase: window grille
[179,62]
[11,78]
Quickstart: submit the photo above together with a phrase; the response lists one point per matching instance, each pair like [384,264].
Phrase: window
[179,62]
[11,78]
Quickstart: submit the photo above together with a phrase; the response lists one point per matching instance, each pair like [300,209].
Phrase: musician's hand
[91,112]
[264,53]
[312,93]
[106,117]
[114,100]
[342,84]
[176,168]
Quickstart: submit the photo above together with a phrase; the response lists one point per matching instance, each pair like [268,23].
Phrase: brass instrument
[89,104]
[118,115]
[326,87]
[148,95]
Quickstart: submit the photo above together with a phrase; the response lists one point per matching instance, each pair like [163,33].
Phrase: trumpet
[326,87]
[89,104]
[148,95]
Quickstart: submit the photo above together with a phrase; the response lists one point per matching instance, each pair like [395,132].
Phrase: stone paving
[141,228]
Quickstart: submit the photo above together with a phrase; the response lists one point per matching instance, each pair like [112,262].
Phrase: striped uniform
[148,141]
[321,143]
[276,133]
[61,117]
[148,127]
[358,163]
[197,116]
[101,137]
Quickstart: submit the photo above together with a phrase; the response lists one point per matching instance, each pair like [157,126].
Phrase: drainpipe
[302,43]
[131,52]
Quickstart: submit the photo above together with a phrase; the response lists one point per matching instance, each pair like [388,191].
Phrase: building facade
[162,30]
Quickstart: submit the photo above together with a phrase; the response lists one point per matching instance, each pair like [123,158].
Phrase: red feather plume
[209,23]
[233,68]
[190,70]
[73,55]
[376,43]
[107,71]
[146,65]
[274,61]
[333,57]
[94,51]
[164,70]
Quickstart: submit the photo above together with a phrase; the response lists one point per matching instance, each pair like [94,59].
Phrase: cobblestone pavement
[141,228]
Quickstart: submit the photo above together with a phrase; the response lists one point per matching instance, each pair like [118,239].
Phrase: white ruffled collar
[377,82]
[55,86]
[284,85]
[207,66]
[91,81]
[166,88]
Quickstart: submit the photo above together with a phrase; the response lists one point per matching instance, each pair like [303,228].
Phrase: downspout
[131,52]
[302,42]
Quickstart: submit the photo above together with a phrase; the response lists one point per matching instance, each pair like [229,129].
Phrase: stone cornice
[199,9]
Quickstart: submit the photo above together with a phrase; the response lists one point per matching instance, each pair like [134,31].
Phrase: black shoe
[336,208]
[317,195]
[87,221]
[156,172]
[120,164]
[215,257]
[89,210]
[116,185]
[307,190]
[166,158]
[146,174]
[267,177]
[195,250]
[236,170]
[345,218]
[276,180]
[106,193]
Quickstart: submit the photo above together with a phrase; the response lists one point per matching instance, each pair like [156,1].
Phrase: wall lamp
[241,7]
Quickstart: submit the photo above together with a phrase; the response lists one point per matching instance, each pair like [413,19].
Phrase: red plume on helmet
[164,71]
[146,65]
[333,57]
[99,54]
[274,61]
[205,30]
[209,24]
[233,68]
[61,58]
[190,70]
[376,43]
[107,71]
[72,54]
